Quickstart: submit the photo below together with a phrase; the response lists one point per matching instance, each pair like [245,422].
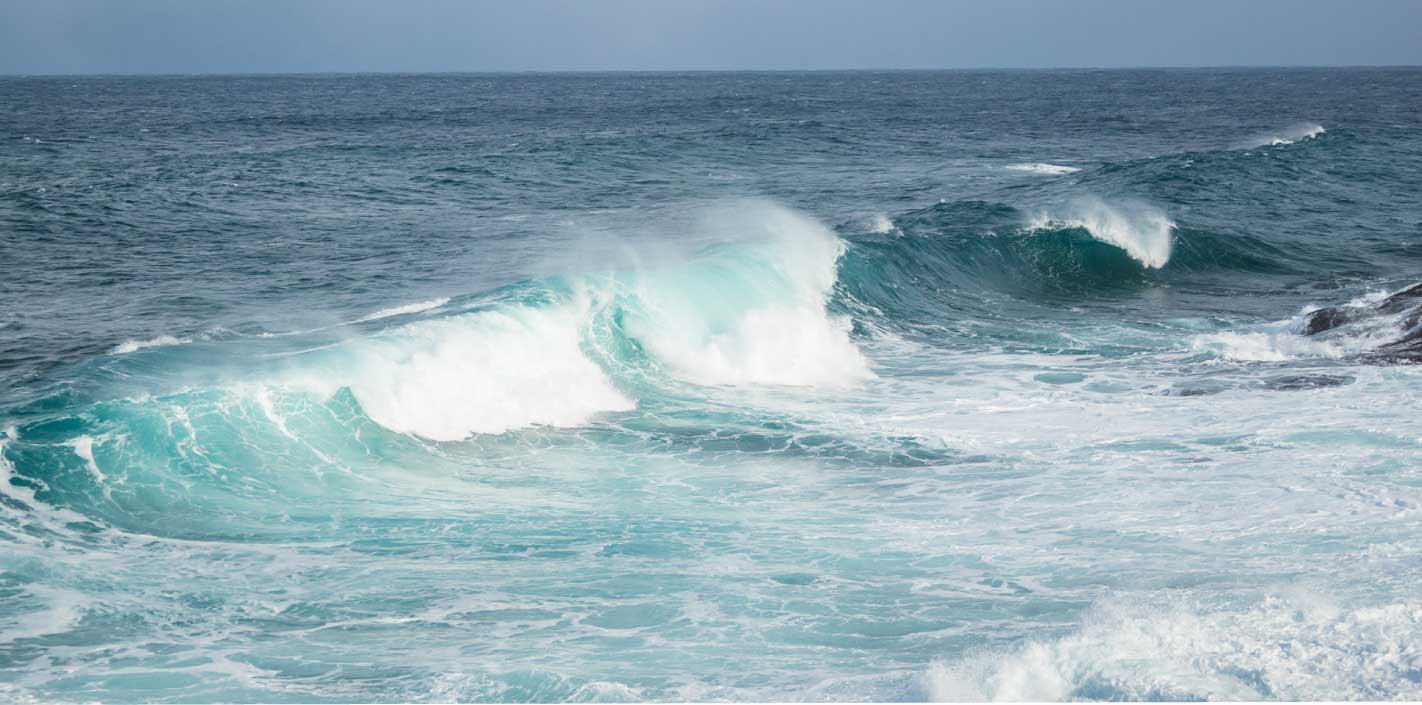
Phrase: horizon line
[514,72]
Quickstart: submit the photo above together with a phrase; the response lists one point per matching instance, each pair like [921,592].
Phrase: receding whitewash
[61,611]
[1286,649]
[1280,341]
[1276,346]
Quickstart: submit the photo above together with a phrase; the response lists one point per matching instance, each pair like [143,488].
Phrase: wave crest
[1143,231]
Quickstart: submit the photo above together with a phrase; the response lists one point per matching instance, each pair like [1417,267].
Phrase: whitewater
[826,386]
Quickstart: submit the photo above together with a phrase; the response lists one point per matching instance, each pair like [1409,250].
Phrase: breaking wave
[487,372]
[750,312]
[751,308]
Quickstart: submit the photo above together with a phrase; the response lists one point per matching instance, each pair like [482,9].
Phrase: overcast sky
[261,36]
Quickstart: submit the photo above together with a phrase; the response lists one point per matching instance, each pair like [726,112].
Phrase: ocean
[711,386]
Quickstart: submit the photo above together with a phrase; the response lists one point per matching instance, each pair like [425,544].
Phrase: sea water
[792,386]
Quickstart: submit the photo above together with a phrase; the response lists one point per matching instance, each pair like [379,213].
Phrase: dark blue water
[892,386]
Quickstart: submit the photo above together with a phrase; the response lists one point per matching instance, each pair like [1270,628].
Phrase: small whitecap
[405,310]
[1044,168]
[130,346]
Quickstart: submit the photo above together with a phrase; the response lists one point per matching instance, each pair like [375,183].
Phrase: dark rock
[1407,303]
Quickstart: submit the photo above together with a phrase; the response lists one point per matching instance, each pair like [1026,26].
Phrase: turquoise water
[851,386]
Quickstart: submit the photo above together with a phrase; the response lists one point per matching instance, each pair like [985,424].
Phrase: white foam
[1143,231]
[129,346]
[54,518]
[780,345]
[62,612]
[7,472]
[756,314]
[84,448]
[405,310]
[487,372]
[1044,168]
[1281,340]
[1279,346]
[1285,649]
[1366,299]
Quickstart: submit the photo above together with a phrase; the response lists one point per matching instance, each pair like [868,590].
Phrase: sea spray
[752,311]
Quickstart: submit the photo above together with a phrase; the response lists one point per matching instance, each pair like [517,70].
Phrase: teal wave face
[326,415]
